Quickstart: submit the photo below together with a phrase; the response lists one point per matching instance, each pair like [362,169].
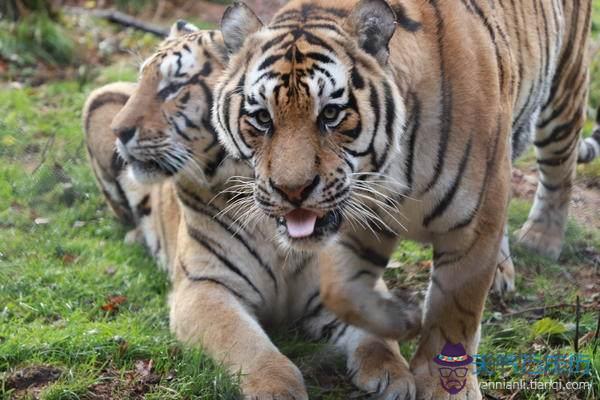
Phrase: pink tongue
[300,223]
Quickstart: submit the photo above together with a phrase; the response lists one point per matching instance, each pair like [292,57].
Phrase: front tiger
[228,279]
[366,122]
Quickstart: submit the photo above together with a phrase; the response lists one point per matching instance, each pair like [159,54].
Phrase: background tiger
[408,132]
[228,279]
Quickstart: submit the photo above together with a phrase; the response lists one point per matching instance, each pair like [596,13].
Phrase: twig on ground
[490,396]
[47,146]
[596,334]
[120,18]
[577,317]
[544,308]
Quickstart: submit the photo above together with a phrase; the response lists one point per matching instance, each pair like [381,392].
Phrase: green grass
[56,275]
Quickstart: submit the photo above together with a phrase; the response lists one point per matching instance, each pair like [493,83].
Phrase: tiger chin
[401,120]
[171,179]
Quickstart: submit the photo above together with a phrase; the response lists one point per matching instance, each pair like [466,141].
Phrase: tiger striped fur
[366,122]
[228,279]
[589,149]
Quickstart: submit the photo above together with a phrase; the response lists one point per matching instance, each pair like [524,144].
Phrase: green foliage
[134,6]
[35,37]
[548,327]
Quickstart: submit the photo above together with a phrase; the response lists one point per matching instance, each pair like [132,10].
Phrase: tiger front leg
[350,269]
[209,314]
[463,271]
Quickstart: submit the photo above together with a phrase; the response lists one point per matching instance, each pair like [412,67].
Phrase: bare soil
[585,201]
[28,382]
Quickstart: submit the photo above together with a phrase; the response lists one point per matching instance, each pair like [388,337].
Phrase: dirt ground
[585,202]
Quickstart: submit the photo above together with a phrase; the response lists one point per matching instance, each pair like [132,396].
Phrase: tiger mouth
[302,224]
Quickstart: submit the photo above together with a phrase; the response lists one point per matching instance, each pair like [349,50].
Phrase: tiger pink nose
[297,194]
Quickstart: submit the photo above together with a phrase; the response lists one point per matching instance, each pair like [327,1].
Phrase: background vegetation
[83,315]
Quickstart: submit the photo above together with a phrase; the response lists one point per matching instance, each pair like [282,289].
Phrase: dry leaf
[68,258]
[113,303]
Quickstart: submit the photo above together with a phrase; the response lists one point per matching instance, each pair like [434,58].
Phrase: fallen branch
[120,18]
[544,308]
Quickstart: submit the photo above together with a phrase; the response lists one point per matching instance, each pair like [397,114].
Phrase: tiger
[170,178]
[367,122]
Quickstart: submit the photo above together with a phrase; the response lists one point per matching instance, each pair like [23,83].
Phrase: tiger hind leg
[589,148]
[557,144]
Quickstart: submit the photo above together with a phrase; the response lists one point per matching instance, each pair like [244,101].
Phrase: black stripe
[270,61]
[199,207]
[143,208]
[568,50]
[178,130]
[403,20]
[328,329]
[390,118]
[102,100]
[365,253]
[339,335]
[489,170]
[414,121]
[212,280]
[557,110]
[558,133]
[199,237]
[226,125]
[449,196]
[319,57]
[492,35]
[445,102]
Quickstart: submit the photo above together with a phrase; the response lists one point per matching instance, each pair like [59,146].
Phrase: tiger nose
[125,134]
[297,194]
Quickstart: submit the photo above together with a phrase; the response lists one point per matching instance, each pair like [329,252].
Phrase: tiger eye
[263,117]
[330,112]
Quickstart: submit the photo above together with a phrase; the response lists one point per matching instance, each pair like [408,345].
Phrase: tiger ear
[373,23]
[181,28]
[238,22]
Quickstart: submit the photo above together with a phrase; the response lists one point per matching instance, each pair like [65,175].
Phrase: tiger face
[165,127]
[309,100]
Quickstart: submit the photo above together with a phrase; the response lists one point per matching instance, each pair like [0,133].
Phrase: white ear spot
[182,27]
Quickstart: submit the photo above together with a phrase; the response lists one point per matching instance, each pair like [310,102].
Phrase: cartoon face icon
[453,362]
[453,380]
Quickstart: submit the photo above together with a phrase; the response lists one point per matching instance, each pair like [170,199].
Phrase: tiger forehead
[299,71]
[195,41]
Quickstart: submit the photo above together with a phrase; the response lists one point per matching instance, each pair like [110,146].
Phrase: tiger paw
[387,315]
[504,279]
[437,386]
[274,379]
[379,371]
[541,237]
[450,378]
[134,236]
